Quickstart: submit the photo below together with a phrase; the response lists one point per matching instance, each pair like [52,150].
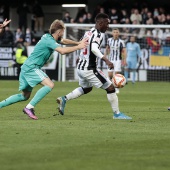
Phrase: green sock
[41,93]
[12,99]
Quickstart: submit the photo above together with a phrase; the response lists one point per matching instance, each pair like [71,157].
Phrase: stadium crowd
[121,13]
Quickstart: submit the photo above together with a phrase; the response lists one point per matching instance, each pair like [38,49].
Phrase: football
[119,81]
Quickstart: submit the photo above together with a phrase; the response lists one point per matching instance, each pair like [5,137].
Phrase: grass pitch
[86,137]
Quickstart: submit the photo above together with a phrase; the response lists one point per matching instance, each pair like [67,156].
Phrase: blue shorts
[29,79]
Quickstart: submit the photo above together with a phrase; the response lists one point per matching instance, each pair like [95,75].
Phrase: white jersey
[116,46]
[87,59]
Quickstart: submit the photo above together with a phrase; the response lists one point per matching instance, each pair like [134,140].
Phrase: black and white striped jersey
[88,58]
[116,46]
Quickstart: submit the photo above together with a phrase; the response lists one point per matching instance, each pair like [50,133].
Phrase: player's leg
[34,77]
[117,69]
[79,91]
[133,76]
[40,94]
[13,99]
[127,70]
[101,81]
[134,64]
[23,86]
[113,100]
[84,89]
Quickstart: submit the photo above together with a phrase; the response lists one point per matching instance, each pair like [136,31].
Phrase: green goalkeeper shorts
[29,79]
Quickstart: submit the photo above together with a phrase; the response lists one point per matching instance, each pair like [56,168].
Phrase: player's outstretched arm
[65,50]
[69,42]
[98,53]
[109,63]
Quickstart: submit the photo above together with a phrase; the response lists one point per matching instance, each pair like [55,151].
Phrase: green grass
[86,137]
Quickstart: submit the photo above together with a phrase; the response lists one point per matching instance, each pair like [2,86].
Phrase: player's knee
[110,89]
[26,97]
[51,85]
[87,90]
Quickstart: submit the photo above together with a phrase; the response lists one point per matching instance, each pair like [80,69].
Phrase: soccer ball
[119,81]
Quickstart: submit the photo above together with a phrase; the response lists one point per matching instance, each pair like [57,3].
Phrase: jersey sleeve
[96,50]
[52,44]
[98,39]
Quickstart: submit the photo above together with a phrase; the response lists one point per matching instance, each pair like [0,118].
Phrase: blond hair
[56,25]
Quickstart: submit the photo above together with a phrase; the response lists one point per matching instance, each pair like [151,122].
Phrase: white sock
[113,99]
[75,93]
[29,106]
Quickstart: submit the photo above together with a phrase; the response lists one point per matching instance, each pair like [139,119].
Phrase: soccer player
[115,49]
[133,52]
[31,73]
[4,24]
[89,75]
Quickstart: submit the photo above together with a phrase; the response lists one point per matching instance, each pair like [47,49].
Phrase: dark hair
[101,16]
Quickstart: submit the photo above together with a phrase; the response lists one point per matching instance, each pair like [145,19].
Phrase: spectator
[144,14]
[72,20]
[158,34]
[136,17]
[8,37]
[163,19]
[158,20]
[123,16]
[39,16]
[161,10]
[149,21]
[168,19]
[80,13]
[155,12]
[114,15]
[102,10]
[21,56]
[166,34]
[22,12]
[88,19]
[127,21]
[67,18]
[19,36]
[80,20]
[29,38]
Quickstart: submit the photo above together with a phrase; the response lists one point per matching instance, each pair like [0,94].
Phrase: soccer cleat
[169,108]
[30,113]
[121,116]
[61,104]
